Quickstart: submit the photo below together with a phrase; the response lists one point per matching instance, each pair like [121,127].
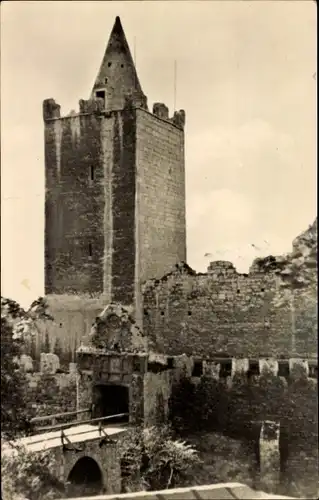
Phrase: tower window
[105,81]
[122,65]
[92,173]
[100,94]
[109,64]
[90,250]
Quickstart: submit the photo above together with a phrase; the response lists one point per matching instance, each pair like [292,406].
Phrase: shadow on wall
[237,410]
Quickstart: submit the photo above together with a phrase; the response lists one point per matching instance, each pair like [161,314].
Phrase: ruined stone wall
[47,394]
[73,319]
[235,399]
[225,313]
[161,232]
[75,200]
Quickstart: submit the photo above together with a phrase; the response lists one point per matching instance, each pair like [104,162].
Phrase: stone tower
[115,188]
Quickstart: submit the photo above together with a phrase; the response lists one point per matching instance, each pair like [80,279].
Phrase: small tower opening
[92,173]
[90,250]
[100,94]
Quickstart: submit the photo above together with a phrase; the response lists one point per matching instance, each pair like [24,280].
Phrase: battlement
[52,110]
[161,111]
[96,105]
[223,367]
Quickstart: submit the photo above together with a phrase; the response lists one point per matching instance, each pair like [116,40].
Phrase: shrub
[27,475]
[152,459]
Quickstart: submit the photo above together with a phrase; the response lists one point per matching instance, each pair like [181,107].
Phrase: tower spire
[117,79]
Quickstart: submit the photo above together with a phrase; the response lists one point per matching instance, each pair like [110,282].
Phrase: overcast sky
[246,77]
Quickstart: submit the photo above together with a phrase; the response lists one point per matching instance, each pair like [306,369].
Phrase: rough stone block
[179,118]
[298,368]
[33,383]
[157,358]
[115,364]
[50,109]
[268,365]
[160,110]
[26,363]
[184,366]
[73,368]
[240,366]
[211,369]
[49,363]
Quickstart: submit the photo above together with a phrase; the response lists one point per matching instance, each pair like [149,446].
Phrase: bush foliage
[28,476]
[152,459]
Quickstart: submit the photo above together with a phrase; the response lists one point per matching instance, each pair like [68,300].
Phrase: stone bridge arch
[98,456]
[85,477]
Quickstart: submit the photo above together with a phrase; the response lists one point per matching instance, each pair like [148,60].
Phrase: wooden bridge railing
[53,418]
[73,423]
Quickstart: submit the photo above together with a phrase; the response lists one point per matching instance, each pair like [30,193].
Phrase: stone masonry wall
[236,401]
[160,195]
[73,316]
[74,208]
[50,394]
[225,313]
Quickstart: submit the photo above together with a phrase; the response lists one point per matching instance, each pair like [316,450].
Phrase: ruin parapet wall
[226,313]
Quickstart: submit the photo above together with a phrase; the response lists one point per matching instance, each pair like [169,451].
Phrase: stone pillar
[211,369]
[268,365]
[136,403]
[114,480]
[269,456]
[298,368]
[84,392]
[239,366]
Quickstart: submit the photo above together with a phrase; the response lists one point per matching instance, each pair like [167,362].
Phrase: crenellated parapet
[51,110]
[91,105]
[161,111]
[221,368]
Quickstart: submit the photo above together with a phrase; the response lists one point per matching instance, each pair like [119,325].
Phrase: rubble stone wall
[227,313]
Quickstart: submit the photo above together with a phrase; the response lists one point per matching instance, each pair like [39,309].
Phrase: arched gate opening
[85,478]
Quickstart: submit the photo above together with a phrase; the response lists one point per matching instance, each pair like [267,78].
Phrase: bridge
[85,452]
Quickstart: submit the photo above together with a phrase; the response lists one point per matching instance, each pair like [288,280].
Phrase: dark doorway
[111,400]
[85,478]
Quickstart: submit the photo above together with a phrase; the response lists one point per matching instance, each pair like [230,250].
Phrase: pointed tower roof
[117,79]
